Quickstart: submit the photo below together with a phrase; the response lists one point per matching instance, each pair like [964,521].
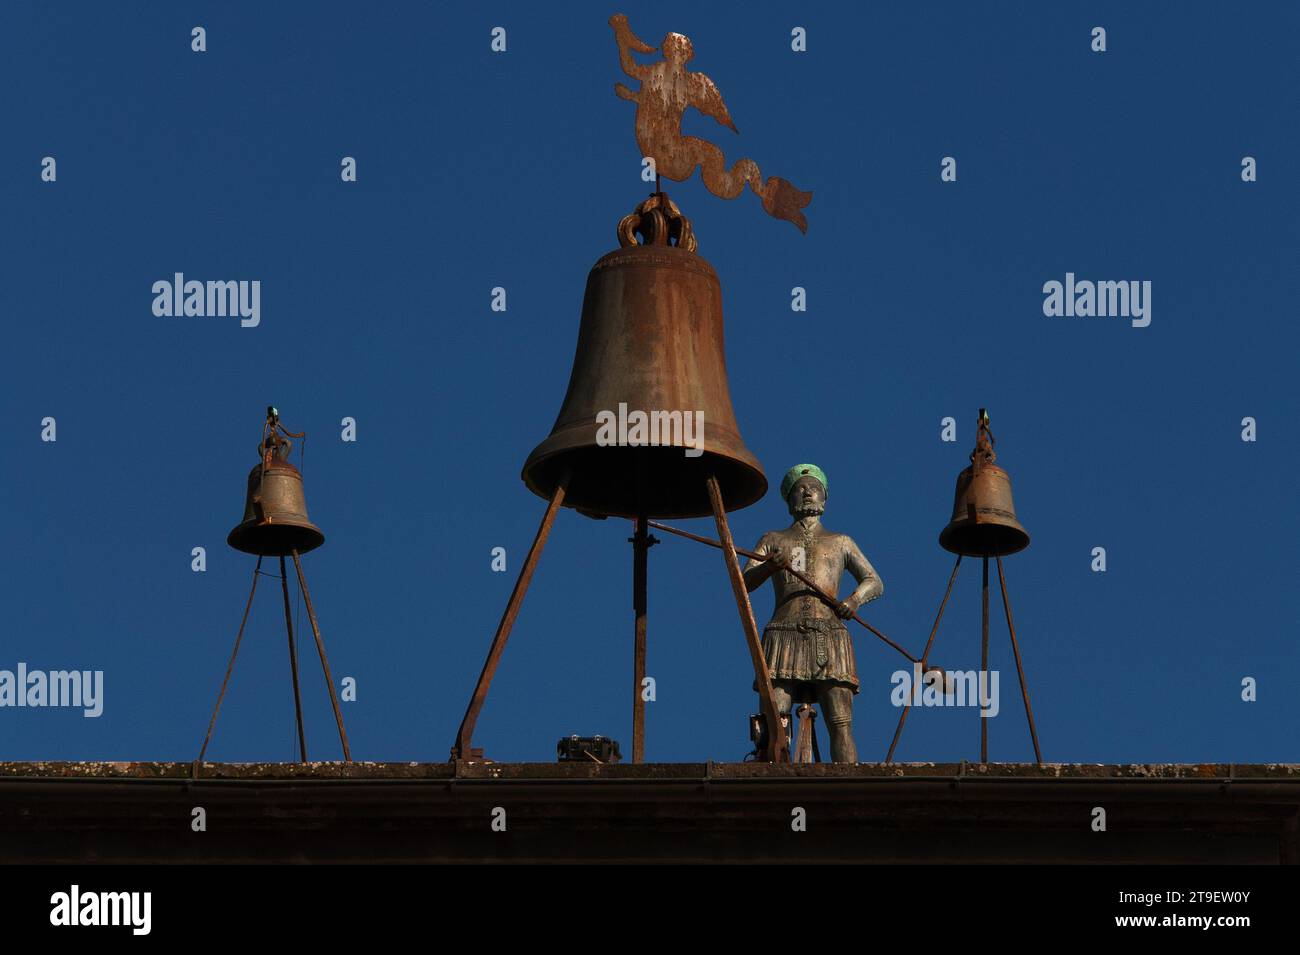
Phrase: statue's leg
[837,709]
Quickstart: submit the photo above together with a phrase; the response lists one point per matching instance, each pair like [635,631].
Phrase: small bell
[983,517]
[275,520]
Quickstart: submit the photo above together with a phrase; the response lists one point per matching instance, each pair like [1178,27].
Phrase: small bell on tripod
[983,517]
[275,520]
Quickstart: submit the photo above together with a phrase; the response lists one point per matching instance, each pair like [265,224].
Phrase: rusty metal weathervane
[667,89]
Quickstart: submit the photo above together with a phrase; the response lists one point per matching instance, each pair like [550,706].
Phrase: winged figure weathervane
[667,89]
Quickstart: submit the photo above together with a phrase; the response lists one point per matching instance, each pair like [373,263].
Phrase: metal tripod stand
[984,660]
[779,748]
[293,661]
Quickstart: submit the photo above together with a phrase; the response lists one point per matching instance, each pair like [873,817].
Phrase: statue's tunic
[805,640]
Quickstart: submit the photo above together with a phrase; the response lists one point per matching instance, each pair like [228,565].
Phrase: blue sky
[478,169]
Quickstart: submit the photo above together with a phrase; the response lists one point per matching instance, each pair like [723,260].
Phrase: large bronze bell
[983,517]
[275,520]
[650,341]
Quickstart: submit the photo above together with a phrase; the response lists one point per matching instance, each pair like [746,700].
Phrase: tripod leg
[1024,687]
[640,553]
[461,748]
[229,668]
[984,661]
[778,740]
[325,664]
[902,717]
[293,661]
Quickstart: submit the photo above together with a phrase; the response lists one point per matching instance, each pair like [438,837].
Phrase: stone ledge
[50,770]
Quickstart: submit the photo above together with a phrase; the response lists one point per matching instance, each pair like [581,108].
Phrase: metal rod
[778,747]
[902,718]
[802,576]
[1024,687]
[461,747]
[984,662]
[293,662]
[806,750]
[229,667]
[325,664]
[802,748]
[640,553]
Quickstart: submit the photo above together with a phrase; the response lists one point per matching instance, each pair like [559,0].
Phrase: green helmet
[802,470]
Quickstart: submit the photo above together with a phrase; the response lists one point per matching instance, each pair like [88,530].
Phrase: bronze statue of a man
[807,647]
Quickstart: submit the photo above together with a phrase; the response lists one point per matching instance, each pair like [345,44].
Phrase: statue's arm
[870,586]
[627,42]
[757,572]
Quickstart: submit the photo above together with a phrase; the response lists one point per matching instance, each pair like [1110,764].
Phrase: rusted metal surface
[320,648]
[1020,668]
[641,544]
[659,222]
[984,520]
[275,519]
[806,749]
[650,343]
[462,748]
[984,658]
[667,90]
[778,749]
